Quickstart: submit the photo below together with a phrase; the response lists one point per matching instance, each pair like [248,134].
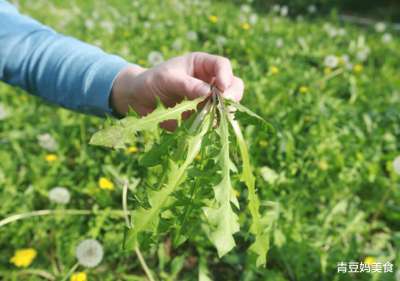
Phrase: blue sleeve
[58,68]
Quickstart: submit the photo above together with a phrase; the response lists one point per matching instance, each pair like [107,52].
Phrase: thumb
[194,88]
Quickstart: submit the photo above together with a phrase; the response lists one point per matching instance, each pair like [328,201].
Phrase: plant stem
[125,204]
[39,272]
[71,271]
[143,264]
[39,213]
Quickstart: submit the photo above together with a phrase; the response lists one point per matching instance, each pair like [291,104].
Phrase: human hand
[187,76]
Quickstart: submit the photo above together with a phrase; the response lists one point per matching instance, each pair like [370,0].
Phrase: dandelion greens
[177,155]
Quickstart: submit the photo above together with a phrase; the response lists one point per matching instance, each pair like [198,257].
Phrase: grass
[324,173]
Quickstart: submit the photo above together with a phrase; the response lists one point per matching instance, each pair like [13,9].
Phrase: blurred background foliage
[325,173]
[382,9]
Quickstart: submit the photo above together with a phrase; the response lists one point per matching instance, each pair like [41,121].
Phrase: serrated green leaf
[144,220]
[124,131]
[223,221]
[157,151]
[258,227]
[244,109]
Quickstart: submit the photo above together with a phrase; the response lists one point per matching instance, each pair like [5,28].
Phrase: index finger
[207,66]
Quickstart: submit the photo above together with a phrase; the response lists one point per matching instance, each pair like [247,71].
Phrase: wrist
[120,98]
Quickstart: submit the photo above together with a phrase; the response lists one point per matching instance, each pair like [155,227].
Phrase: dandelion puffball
[396,165]
[380,27]
[284,11]
[312,9]
[387,38]
[331,61]
[155,58]
[3,112]
[59,195]
[89,253]
[191,35]
[220,40]
[47,142]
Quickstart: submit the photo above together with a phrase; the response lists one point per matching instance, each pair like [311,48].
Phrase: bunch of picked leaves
[194,171]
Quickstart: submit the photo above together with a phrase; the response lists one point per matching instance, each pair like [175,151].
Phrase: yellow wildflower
[358,68]
[198,157]
[23,257]
[79,276]
[132,149]
[51,158]
[263,143]
[369,260]
[245,26]
[323,165]
[327,70]
[105,183]
[274,70]
[213,18]
[303,90]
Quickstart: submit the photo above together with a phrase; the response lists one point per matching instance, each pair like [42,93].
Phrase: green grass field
[325,171]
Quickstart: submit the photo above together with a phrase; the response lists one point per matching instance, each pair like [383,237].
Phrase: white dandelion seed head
[177,44]
[178,6]
[3,112]
[169,23]
[253,19]
[220,40]
[245,8]
[380,27]
[362,54]
[147,25]
[327,26]
[284,11]
[345,58]
[47,142]
[396,165]
[387,38]
[349,66]
[107,26]
[312,9]
[89,253]
[276,8]
[331,61]
[341,32]
[346,61]
[191,35]
[155,58]
[59,195]
[125,51]
[279,42]
[89,24]
[152,16]
[332,32]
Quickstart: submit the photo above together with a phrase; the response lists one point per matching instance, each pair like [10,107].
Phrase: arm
[58,68]
[82,77]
